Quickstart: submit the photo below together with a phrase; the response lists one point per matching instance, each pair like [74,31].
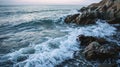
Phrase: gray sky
[65,2]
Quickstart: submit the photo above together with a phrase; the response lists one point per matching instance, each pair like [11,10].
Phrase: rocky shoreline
[108,10]
[94,48]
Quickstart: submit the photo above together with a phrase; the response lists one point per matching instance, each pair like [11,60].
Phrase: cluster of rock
[108,10]
[98,48]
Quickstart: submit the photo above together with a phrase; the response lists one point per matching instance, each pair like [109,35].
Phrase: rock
[114,21]
[86,40]
[96,51]
[90,50]
[83,9]
[107,51]
[106,10]
[98,48]
[82,19]
[107,65]
[92,46]
[71,18]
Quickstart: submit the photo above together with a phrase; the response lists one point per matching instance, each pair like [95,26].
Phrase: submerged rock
[108,10]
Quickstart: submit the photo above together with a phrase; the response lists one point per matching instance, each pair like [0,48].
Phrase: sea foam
[56,50]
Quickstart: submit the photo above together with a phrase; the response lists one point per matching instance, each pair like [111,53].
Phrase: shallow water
[36,36]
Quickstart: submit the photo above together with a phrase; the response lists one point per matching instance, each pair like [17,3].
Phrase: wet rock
[83,9]
[106,10]
[107,65]
[71,18]
[95,51]
[82,19]
[91,51]
[114,21]
[86,40]
[92,46]
[98,48]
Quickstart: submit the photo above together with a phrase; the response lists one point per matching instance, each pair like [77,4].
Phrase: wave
[4,13]
[25,18]
[56,50]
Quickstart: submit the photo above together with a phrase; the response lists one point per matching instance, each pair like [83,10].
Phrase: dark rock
[96,51]
[90,50]
[82,19]
[86,40]
[106,9]
[107,65]
[83,9]
[114,21]
[98,48]
[71,18]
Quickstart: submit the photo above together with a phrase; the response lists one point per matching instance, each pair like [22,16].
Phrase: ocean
[36,36]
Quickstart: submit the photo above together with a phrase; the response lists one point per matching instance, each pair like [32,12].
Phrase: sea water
[36,36]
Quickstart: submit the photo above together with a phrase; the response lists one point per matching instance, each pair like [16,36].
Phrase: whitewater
[36,36]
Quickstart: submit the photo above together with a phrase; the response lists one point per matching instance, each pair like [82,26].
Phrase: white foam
[101,29]
[47,56]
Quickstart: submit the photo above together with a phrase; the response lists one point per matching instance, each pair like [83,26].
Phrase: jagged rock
[98,48]
[83,9]
[71,18]
[106,9]
[90,52]
[86,40]
[96,51]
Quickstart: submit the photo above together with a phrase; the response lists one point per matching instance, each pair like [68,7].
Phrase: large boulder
[81,18]
[96,51]
[98,48]
[108,10]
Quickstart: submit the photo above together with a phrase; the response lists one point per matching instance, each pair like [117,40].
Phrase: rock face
[108,10]
[71,18]
[98,48]
[86,40]
[96,51]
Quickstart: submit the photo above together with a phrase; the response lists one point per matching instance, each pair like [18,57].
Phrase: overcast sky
[48,2]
